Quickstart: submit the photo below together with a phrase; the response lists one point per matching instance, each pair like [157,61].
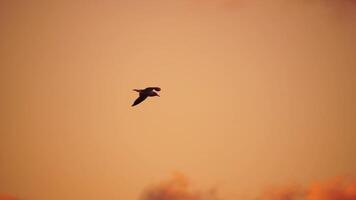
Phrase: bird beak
[158,95]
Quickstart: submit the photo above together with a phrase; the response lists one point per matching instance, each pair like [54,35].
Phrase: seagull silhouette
[144,93]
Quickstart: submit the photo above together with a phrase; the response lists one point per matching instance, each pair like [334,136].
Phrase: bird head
[154,94]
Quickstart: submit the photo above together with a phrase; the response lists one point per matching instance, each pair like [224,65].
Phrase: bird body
[144,93]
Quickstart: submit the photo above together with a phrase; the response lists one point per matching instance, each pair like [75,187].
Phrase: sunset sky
[256,95]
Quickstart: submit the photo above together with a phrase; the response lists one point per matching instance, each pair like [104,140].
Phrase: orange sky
[253,94]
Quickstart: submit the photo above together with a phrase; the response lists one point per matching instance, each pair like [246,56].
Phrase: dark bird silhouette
[144,93]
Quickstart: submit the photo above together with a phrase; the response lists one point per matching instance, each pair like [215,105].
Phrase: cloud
[178,187]
[7,197]
[335,189]
[283,193]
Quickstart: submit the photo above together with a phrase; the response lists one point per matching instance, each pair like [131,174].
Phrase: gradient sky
[254,94]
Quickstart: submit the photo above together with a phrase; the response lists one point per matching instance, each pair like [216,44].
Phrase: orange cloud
[283,193]
[7,197]
[176,188]
[335,189]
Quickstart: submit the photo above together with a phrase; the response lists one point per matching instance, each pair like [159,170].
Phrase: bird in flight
[144,93]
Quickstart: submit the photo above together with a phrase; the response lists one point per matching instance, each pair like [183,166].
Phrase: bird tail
[137,90]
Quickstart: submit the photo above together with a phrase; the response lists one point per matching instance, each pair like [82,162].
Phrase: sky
[258,100]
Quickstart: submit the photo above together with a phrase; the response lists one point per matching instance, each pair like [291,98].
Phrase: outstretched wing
[139,100]
[153,88]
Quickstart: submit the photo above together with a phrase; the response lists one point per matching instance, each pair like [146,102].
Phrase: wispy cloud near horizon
[179,187]
[337,188]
